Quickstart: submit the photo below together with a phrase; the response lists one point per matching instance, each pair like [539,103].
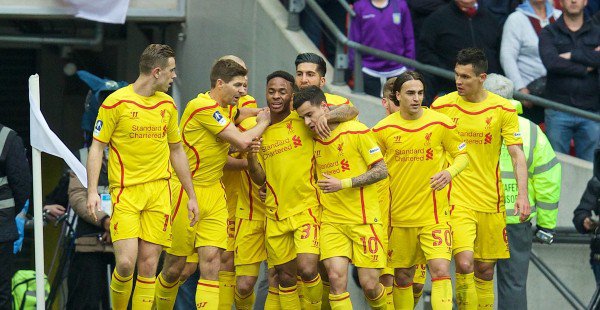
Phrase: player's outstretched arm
[377,172]
[244,113]
[257,173]
[242,140]
[520,169]
[94,163]
[182,168]
[337,114]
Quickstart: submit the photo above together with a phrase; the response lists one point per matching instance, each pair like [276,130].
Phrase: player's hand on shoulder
[264,116]
[329,184]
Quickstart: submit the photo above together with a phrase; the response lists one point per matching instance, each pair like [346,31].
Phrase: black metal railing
[341,59]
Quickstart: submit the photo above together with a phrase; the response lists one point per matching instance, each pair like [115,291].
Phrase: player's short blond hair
[388,88]
[155,55]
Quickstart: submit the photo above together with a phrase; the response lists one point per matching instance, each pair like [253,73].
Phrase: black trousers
[88,280]
[7,263]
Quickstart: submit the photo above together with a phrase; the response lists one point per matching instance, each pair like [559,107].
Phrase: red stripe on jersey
[451,209]
[177,205]
[312,173]
[313,216]
[248,102]
[139,105]
[453,105]
[274,195]
[435,211]
[250,198]
[100,140]
[342,133]
[362,205]
[498,187]
[449,190]
[416,129]
[197,166]
[371,165]
[122,173]
[237,229]
[375,235]
[230,111]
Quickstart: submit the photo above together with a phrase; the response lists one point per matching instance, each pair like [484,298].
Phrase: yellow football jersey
[231,178]
[414,151]
[249,205]
[286,155]
[349,152]
[483,126]
[138,130]
[337,100]
[201,122]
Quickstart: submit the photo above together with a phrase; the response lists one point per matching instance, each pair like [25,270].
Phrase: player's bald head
[236,59]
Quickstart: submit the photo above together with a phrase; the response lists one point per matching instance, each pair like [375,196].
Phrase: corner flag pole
[38,224]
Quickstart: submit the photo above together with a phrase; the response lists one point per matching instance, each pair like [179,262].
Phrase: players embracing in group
[420,187]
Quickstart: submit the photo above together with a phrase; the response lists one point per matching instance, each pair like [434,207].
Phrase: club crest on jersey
[290,126]
[428,138]
[488,122]
[98,127]
[340,149]
[162,116]
[219,118]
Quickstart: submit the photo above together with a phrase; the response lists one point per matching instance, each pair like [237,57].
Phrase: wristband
[346,183]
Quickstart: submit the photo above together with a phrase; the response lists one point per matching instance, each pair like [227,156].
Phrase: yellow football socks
[313,292]
[272,302]
[226,289]
[143,294]
[403,297]
[485,293]
[244,302]
[288,298]
[466,295]
[120,290]
[207,295]
[166,293]
[379,302]
[441,293]
[340,301]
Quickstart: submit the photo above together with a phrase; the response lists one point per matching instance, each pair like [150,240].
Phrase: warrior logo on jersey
[219,118]
[429,154]
[290,126]
[397,139]
[488,138]
[488,122]
[455,120]
[297,141]
[345,165]
[340,149]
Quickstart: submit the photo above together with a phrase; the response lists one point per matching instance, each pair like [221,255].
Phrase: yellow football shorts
[286,238]
[480,232]
[420,274]
[249,246]
[210,230]
[413,245]
[361,243]
[142,211]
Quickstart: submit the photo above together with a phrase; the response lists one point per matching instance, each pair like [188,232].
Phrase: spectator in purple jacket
[385,25]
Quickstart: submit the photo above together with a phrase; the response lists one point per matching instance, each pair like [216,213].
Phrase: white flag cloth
[45,140]
[105,11]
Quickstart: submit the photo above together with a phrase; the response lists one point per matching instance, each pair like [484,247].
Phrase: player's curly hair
[401,79]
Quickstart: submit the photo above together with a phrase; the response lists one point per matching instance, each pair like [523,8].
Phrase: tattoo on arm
[377,173]
[338,114]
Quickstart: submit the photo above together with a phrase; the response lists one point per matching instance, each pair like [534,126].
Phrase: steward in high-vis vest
[15,187]
[544,183]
